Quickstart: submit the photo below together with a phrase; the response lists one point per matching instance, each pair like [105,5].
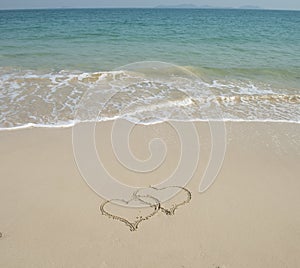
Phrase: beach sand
[250,216]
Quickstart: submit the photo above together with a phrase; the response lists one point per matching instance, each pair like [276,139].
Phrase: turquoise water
[243,48]
[103,39]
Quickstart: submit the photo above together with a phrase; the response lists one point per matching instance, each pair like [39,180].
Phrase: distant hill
[187,6]
[178,6]
[249,7]
[206,6]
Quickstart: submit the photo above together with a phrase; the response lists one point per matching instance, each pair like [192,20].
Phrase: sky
[270,4]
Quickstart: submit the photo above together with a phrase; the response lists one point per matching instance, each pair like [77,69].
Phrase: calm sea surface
[247,64]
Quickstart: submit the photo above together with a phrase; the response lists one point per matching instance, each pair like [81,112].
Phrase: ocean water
[239,65]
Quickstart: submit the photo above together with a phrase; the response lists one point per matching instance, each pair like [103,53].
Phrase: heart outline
[132,225]
[171,211]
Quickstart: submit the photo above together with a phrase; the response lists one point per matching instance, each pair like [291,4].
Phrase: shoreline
[72,124]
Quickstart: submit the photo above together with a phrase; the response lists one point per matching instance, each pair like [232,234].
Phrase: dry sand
[250,216]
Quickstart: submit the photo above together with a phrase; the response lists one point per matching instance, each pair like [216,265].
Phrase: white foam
[32,99]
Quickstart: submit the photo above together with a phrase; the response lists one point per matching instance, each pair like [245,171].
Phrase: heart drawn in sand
[169,208]
[120,210]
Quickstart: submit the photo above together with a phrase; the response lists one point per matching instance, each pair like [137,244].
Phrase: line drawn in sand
[150,197]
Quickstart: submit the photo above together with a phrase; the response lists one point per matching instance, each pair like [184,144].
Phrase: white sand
[250,217]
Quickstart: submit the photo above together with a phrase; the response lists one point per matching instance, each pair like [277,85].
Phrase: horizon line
[232,8]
